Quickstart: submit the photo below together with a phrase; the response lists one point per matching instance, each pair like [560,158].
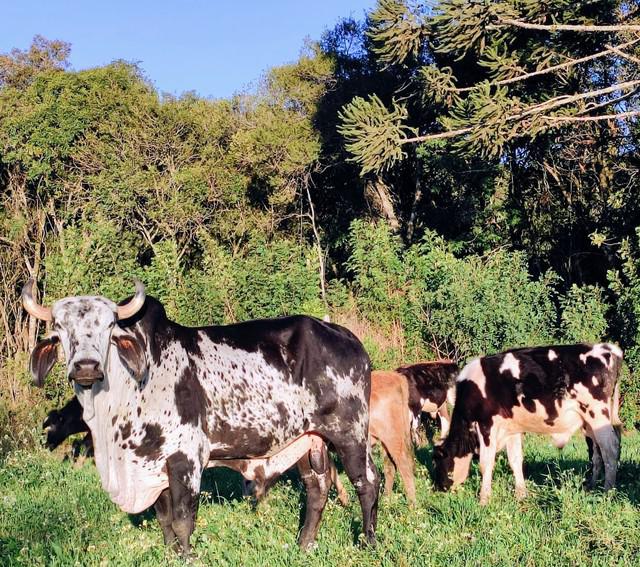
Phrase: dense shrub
[450,306]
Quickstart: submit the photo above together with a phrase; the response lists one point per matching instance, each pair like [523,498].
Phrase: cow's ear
[43,358]
[132,355]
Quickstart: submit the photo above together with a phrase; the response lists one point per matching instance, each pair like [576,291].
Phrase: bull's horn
[31,305]
[132,307]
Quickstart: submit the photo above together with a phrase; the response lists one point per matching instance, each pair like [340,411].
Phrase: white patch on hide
[510,363]
[598,351]
[473,372]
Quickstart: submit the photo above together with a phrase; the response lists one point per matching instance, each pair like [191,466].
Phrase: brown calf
[390,425]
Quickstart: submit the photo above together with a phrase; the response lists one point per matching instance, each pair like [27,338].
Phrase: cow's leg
[184,485]
[487,462]
[595,458]
[514,454]
[389,471]
[358,464]
[315,471]
[403,457]
[606,439]
[164,513]
[343,496]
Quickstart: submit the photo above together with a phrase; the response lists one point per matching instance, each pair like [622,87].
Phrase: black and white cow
[555,390]
[163,401]
[61,424]
[431,386]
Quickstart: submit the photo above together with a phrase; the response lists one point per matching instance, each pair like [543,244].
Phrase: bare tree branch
[618,50]
[610,49]
[438,136]
[566,27]
[562,100]
[536,109]
[593,118]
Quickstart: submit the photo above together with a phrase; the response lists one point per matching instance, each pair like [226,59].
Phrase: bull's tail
[616,368]
[615,407]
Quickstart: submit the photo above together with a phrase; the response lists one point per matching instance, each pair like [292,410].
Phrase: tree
[498,71]
[18,68]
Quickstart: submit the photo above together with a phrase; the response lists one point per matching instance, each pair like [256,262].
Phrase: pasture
[53,513]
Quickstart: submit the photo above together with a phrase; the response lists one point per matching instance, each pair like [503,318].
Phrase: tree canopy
[447,179]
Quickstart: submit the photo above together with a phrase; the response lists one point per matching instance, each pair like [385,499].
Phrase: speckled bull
[556,390]
[163,402]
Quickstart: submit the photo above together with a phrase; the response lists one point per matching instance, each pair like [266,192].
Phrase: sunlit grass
[52,513]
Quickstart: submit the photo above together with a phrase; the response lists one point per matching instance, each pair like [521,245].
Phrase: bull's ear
[132,355]
[43,358]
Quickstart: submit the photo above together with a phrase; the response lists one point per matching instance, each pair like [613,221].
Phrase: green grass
[52,513]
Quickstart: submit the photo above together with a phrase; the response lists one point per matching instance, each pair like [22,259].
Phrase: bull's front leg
[164,514]
[184,487]
[596,464]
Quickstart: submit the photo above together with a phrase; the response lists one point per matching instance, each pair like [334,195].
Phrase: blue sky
[214,48]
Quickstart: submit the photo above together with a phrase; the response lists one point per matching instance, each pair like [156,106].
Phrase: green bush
[584,315]
[450,306]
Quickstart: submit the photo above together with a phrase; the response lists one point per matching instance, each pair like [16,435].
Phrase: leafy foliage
[241,208]
[458,307]
[373,133]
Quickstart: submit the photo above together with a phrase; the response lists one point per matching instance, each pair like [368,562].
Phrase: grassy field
[52,513]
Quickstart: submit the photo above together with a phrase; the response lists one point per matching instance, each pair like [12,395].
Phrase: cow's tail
[615,398]
[409,428]
[615,407]
[616,369]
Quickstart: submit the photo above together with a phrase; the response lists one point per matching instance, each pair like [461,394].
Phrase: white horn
[31,305]
[137,301]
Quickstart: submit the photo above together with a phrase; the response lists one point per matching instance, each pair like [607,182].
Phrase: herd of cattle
[161,402]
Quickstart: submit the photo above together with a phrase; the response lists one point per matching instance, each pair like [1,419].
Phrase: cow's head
[86,328]
[450,467]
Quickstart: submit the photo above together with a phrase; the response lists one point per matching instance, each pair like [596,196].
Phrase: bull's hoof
[484,499]
[521,493]
[309,547]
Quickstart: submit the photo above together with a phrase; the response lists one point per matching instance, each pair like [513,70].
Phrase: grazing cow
[65,422]
[390,425]
[163,401]
[555,390]
[431,385]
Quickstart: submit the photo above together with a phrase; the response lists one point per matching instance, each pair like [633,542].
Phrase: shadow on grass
[549,472]
[544,471]
[10,550]
[218,485]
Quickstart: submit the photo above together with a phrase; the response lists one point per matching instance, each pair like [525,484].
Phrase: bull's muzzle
[86,372]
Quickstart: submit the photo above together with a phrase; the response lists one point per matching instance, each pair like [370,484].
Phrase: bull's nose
[86,371]
[86,365]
